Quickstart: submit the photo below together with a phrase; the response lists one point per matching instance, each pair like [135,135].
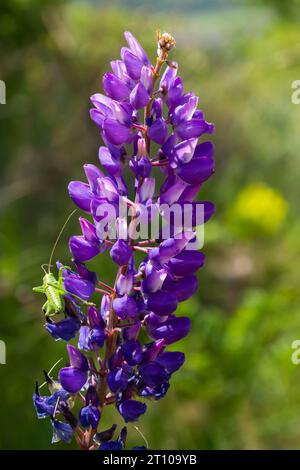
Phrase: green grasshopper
[54,288]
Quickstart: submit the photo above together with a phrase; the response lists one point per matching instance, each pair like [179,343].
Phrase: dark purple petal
[93,173]
[98,116]
[161,302]
[172,330]
[205,149]
[72,379]
[171,360]
[192,128]
[184,151]
[95,318]
[132,332]
[121,252]
[147,78]
[186,110]
[187,262]
[197,170]
[153,374]
[152,350]
[81,194]
[170,247]
[96,338]
[82,249]
[157,108]
[139,96]
[114,87]
[171,193]
[78,286]
[124,284]
[117,379]
[133,352]
[189,193]
[183,288]
[77,359]
[117,359]
[141,166]
[156,392]
[104,212]
[109,189]
[65,329]
[122,112]
[115,132]
[175,91]
[89,416]
[61,432]
[136,48]
[158,131]
[44,406]
[91,397]
[132,62]
[125,307]
[109,162]
[168,77]
[88,230]
[119,69]
[85,273]
[111,445]
[146,191]
[131,410]
[99,101]
[154,320]
[154,278]
[83,338]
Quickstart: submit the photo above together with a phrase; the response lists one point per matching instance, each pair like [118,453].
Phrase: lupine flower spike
[120,333]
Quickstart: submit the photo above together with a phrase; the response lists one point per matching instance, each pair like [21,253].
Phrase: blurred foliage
[238,388]
[288,9]
[258,210]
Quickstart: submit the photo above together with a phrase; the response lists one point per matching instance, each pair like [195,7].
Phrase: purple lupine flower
[64,329]
[121,252]
[162,302]
[131,410]
[172,330]
[105,442]
[122,356]
[171,360]
[125,307]
[89,416]
[81,283]
[74,377]
[61,431]
[187,262]
[118,377]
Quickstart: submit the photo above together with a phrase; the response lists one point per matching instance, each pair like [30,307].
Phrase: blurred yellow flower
[258,210]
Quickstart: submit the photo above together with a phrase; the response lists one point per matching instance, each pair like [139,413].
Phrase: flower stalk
[110,362]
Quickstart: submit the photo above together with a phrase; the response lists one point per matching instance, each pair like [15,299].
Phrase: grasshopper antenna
[142,435]
[43,267]
[58,237]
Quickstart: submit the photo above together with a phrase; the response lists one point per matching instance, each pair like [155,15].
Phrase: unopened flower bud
[165,42]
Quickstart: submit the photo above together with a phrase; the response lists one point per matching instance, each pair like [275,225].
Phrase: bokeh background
[238,388]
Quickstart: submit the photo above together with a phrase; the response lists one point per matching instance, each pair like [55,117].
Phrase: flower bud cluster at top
[149,124]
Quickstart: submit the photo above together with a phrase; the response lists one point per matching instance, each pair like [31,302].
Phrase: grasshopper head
[49,278]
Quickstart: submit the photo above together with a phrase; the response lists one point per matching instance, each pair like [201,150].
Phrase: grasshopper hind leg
[48,310]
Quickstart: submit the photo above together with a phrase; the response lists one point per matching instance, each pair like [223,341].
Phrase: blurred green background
[238,388]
